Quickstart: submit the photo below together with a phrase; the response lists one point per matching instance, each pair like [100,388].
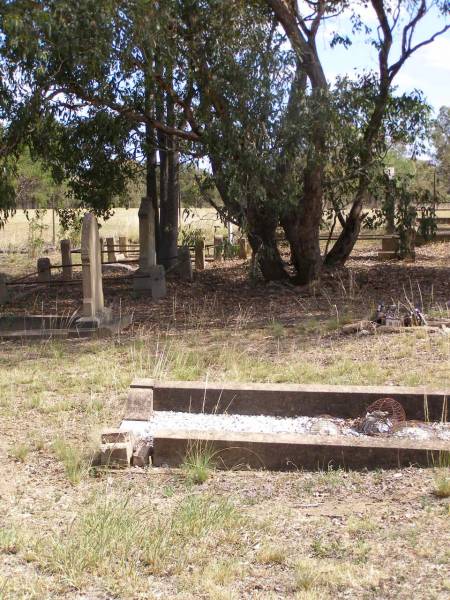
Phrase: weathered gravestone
[183,266]
[94,311]
[150,277]
[44,269]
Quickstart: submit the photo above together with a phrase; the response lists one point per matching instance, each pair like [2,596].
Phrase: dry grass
[71,532]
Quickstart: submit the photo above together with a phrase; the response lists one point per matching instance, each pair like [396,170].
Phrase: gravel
[264,424]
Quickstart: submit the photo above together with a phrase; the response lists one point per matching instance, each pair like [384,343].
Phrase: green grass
[19,452]
[117,537]
[442,483]
[199,462]
[76,463]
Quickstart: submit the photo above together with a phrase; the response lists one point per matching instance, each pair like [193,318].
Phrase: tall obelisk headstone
[93,302]
[149,277]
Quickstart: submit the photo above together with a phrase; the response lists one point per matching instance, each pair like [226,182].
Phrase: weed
[331,576]
[271,554]
[277,329]
[76,465]
[115,537]
[19,452]
[10,540]
[198,462]
[442,484]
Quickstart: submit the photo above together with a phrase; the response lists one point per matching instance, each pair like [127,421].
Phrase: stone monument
[150,278]
[94,311]
[44,270]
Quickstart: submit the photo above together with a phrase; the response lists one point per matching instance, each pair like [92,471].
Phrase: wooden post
[4,296]
[218,248]
[110,249]
[243,248]
[66,259]
[226,247]
[123,245]
[200,255]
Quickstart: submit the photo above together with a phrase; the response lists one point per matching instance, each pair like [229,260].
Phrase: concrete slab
[49,326]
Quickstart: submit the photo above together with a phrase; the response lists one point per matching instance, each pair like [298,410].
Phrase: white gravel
[264,424]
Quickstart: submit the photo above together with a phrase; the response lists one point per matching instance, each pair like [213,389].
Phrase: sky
[428,69]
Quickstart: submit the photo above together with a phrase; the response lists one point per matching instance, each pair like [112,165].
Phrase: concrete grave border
[285,451]
[279,399]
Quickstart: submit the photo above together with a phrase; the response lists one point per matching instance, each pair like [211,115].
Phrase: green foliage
[441,141]
[36,228]
[76,465]
[70,223]
[198,463]
[189,236]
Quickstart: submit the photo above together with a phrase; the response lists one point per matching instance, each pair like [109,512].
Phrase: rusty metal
[395,410]
[382,417]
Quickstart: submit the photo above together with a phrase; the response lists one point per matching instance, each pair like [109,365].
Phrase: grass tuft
[75,463]
[19,452]
[271,554]
[114,536]
[198,462]
[442,484]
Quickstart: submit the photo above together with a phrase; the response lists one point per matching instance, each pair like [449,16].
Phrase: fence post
[3,290]
[110,249]
[66,259]
[218,248]
[200,255]
[123,245]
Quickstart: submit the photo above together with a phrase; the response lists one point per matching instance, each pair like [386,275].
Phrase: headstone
[150,277]
[218,248]
[102,246]
[123,245]
[110,249]
[243,248]
[183,267]
[147,245]
[200,255]
[93,302]
[390,243]
[66,259]
[4,296]
[44,269]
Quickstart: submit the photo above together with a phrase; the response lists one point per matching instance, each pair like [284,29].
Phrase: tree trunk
[261,236]
[302,228]
[150,152]
[346,241]
[151,180]
[168,186]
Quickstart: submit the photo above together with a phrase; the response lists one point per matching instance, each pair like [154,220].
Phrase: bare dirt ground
[67,531]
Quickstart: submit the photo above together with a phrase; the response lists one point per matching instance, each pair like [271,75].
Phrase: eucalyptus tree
[127,78]
[102,70]
[302,22]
